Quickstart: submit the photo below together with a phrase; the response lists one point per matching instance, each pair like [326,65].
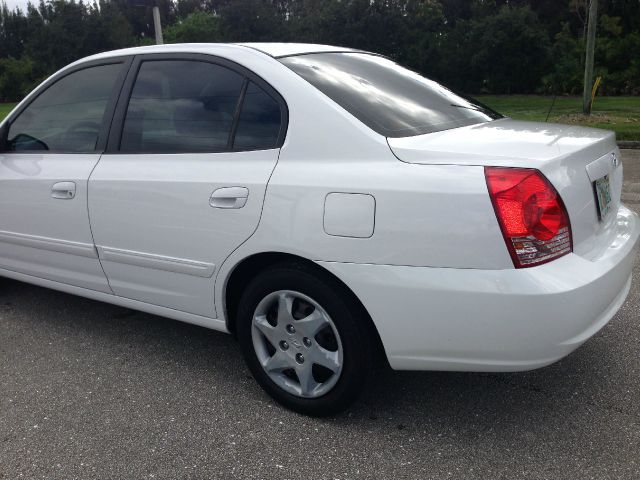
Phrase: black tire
[347,316]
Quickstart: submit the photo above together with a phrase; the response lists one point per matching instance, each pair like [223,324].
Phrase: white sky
[18,3]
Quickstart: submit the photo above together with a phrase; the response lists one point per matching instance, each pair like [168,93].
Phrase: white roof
[272,49]
[285,49]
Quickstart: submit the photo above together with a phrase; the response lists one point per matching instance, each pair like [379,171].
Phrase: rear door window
[181,106]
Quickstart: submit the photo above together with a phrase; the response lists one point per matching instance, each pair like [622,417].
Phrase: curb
[633,145]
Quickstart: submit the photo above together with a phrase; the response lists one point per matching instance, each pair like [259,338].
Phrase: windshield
[390,99]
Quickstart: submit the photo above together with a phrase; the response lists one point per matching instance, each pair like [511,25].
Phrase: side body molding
[158,262]
[51,244]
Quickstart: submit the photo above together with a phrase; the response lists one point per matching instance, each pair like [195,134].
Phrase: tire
[344,345]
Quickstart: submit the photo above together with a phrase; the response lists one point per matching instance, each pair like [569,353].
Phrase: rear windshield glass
[390,99]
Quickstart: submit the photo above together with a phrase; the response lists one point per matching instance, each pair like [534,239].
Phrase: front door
[49,149]
[193,145]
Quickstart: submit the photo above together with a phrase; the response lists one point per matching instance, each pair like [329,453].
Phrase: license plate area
[602,188]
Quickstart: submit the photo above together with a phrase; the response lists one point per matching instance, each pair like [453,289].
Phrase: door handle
[64,190]
[229,197]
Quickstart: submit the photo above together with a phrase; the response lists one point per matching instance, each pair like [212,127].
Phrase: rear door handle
[229,197]
[63,190]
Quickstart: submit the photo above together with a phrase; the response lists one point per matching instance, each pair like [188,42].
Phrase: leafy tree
[16,78]
[568,67]
[252,21]
[196,27]
[184,8]
[618,57]
[505,53]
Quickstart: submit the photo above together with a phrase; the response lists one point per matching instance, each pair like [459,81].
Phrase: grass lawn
[5,108]
[621,114]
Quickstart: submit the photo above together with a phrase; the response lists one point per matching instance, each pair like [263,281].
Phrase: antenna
[552,104]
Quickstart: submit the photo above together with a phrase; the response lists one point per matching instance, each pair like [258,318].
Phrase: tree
[504,53]
[498,46]
[13,31]
[196,27]
[568,53]
[16,78]
[618,57]
[252,21]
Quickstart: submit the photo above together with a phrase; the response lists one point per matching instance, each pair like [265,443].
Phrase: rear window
[390,99]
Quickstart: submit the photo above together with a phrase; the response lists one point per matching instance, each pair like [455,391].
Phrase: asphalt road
[89,390]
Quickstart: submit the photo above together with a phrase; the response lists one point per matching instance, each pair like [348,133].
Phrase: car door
[194,142]
[49,146]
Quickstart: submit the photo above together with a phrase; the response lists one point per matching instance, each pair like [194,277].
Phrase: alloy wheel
[297,344]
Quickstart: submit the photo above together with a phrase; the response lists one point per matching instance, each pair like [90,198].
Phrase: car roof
[278,50]
[275,50]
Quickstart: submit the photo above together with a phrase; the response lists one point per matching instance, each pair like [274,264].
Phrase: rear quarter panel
[438,216]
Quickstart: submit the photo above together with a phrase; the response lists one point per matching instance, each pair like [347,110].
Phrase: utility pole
[588,65]
[156,25]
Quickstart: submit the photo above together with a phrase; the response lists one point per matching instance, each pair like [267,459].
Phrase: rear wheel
[304,339]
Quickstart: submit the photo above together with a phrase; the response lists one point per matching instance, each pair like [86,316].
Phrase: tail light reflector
[531,214]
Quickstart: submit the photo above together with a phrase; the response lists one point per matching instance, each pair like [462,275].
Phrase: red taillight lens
[533,219]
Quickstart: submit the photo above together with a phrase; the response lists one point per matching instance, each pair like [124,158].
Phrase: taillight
[531,214]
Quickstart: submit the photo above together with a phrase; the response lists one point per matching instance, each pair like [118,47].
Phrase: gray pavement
[89,390]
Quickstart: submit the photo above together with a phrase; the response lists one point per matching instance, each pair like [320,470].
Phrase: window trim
[103,133]
[236,115]
[118,118]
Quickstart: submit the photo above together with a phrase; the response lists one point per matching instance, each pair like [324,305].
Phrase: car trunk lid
[571,157]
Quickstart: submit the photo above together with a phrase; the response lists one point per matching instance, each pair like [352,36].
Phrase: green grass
[621,114]
[5,108]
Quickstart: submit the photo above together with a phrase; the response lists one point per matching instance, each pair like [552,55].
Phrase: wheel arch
[250,266]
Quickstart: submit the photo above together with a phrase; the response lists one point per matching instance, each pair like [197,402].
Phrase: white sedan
[325,205]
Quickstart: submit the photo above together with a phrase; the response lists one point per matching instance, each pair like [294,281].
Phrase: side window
[68,115]
[181,106]
[259,123]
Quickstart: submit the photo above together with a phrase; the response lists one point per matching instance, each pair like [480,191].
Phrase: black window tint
[390,99]
[259,123]
[181,106]
[67,116]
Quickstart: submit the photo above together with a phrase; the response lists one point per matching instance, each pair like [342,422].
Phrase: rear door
[50,145]
[194,142]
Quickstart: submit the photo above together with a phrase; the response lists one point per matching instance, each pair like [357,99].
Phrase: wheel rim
[297,344]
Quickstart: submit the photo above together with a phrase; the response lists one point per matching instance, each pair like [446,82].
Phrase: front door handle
[64,190]
[229,197]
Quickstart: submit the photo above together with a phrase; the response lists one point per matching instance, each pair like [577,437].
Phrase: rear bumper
[494,320]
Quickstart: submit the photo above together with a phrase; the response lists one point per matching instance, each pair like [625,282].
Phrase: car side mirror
[25,142]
